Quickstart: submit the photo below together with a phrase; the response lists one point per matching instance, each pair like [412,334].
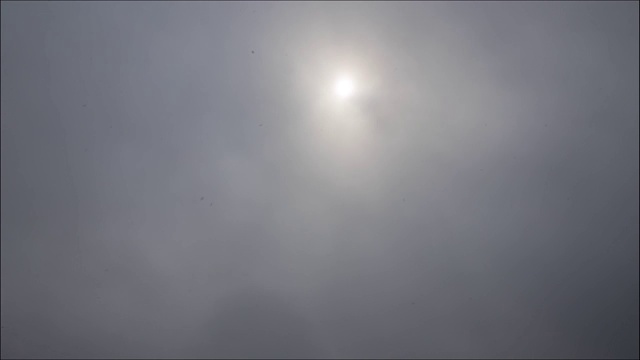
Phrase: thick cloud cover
[178,181]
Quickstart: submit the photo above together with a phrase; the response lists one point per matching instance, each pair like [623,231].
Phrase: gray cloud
[178,180]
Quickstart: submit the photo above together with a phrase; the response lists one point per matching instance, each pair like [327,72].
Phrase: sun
[344,87]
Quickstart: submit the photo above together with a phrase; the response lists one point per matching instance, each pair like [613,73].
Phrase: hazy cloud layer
[179,181]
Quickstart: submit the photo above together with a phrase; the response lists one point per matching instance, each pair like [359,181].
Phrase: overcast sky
[179,179]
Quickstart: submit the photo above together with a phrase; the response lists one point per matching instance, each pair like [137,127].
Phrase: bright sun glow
[344,87]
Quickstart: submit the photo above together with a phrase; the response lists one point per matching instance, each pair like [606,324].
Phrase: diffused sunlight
[344,87]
